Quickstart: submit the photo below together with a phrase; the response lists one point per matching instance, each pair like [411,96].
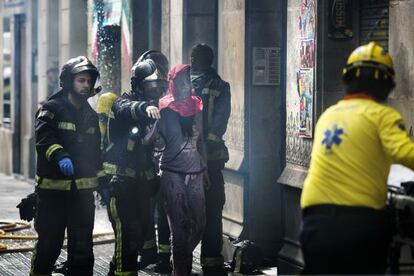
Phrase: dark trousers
[59,210]
[162,228]
[345,240]
[128,212]
[164,234]
[212,241]
[183,200]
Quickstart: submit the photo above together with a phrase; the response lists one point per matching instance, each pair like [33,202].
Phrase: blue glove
[66,167]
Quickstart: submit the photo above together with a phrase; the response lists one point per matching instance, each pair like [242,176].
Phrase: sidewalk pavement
[12,190]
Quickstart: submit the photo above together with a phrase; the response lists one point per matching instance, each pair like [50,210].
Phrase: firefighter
[129,162]
[68,167]
[215,94]
[345,227]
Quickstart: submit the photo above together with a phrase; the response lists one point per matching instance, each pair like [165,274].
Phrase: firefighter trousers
[212,242]
[183,200]
[57,211]
[128,212]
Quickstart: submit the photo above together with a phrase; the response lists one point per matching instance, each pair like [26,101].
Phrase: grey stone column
[73,29]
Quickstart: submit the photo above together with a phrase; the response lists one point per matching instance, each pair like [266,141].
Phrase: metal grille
[374,16]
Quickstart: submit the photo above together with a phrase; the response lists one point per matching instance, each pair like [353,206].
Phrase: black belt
[331,210]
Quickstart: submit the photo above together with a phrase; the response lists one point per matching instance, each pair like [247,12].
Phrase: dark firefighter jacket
[125,154]
[216,111]
[64,131]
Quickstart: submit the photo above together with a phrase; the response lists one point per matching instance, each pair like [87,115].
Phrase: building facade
[283,60]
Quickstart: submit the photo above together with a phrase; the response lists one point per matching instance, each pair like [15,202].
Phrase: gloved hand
[66,167]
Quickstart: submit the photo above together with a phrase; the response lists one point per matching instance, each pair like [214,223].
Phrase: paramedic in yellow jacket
[345,228]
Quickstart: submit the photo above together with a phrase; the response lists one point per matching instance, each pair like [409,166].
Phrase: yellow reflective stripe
[213,137]
[53,184]
[130,145]
[86,183]
[91,130]
[211,261]
[118,236]
[113,169]
[125,273]
[67,126]
[101,173]
[51,150]
[164,248]
[64,184]
[133,111]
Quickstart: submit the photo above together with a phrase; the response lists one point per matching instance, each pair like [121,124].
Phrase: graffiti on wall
[306,72]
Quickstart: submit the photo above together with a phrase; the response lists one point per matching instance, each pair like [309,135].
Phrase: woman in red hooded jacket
[182,164]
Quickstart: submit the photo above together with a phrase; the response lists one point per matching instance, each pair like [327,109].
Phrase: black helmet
[150,71]
[75,66]
[201,55]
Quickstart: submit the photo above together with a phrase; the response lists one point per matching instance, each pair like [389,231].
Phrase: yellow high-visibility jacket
[356,141]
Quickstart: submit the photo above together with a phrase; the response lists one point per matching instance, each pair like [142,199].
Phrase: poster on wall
[305,89]
[306,72]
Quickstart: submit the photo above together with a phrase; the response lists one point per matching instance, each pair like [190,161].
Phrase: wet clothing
[129,163]
[182,192]
[216,97]
[63,131]
[356,140]
[183,198]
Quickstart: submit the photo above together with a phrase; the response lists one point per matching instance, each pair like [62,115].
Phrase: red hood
[181,97]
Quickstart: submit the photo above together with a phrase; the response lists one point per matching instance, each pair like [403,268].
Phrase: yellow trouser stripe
[164,248]
[126,273]
[51,150]
[67,126]
[118,235]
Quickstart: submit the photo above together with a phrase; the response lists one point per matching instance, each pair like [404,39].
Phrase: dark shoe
[214,271]
[61,268]
[163,267]
[147,258]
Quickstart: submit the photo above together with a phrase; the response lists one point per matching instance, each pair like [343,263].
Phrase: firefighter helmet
[370,55]
[75,66]
[150,74]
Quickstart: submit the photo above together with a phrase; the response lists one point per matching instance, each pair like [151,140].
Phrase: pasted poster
[305,90]
[306,72]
